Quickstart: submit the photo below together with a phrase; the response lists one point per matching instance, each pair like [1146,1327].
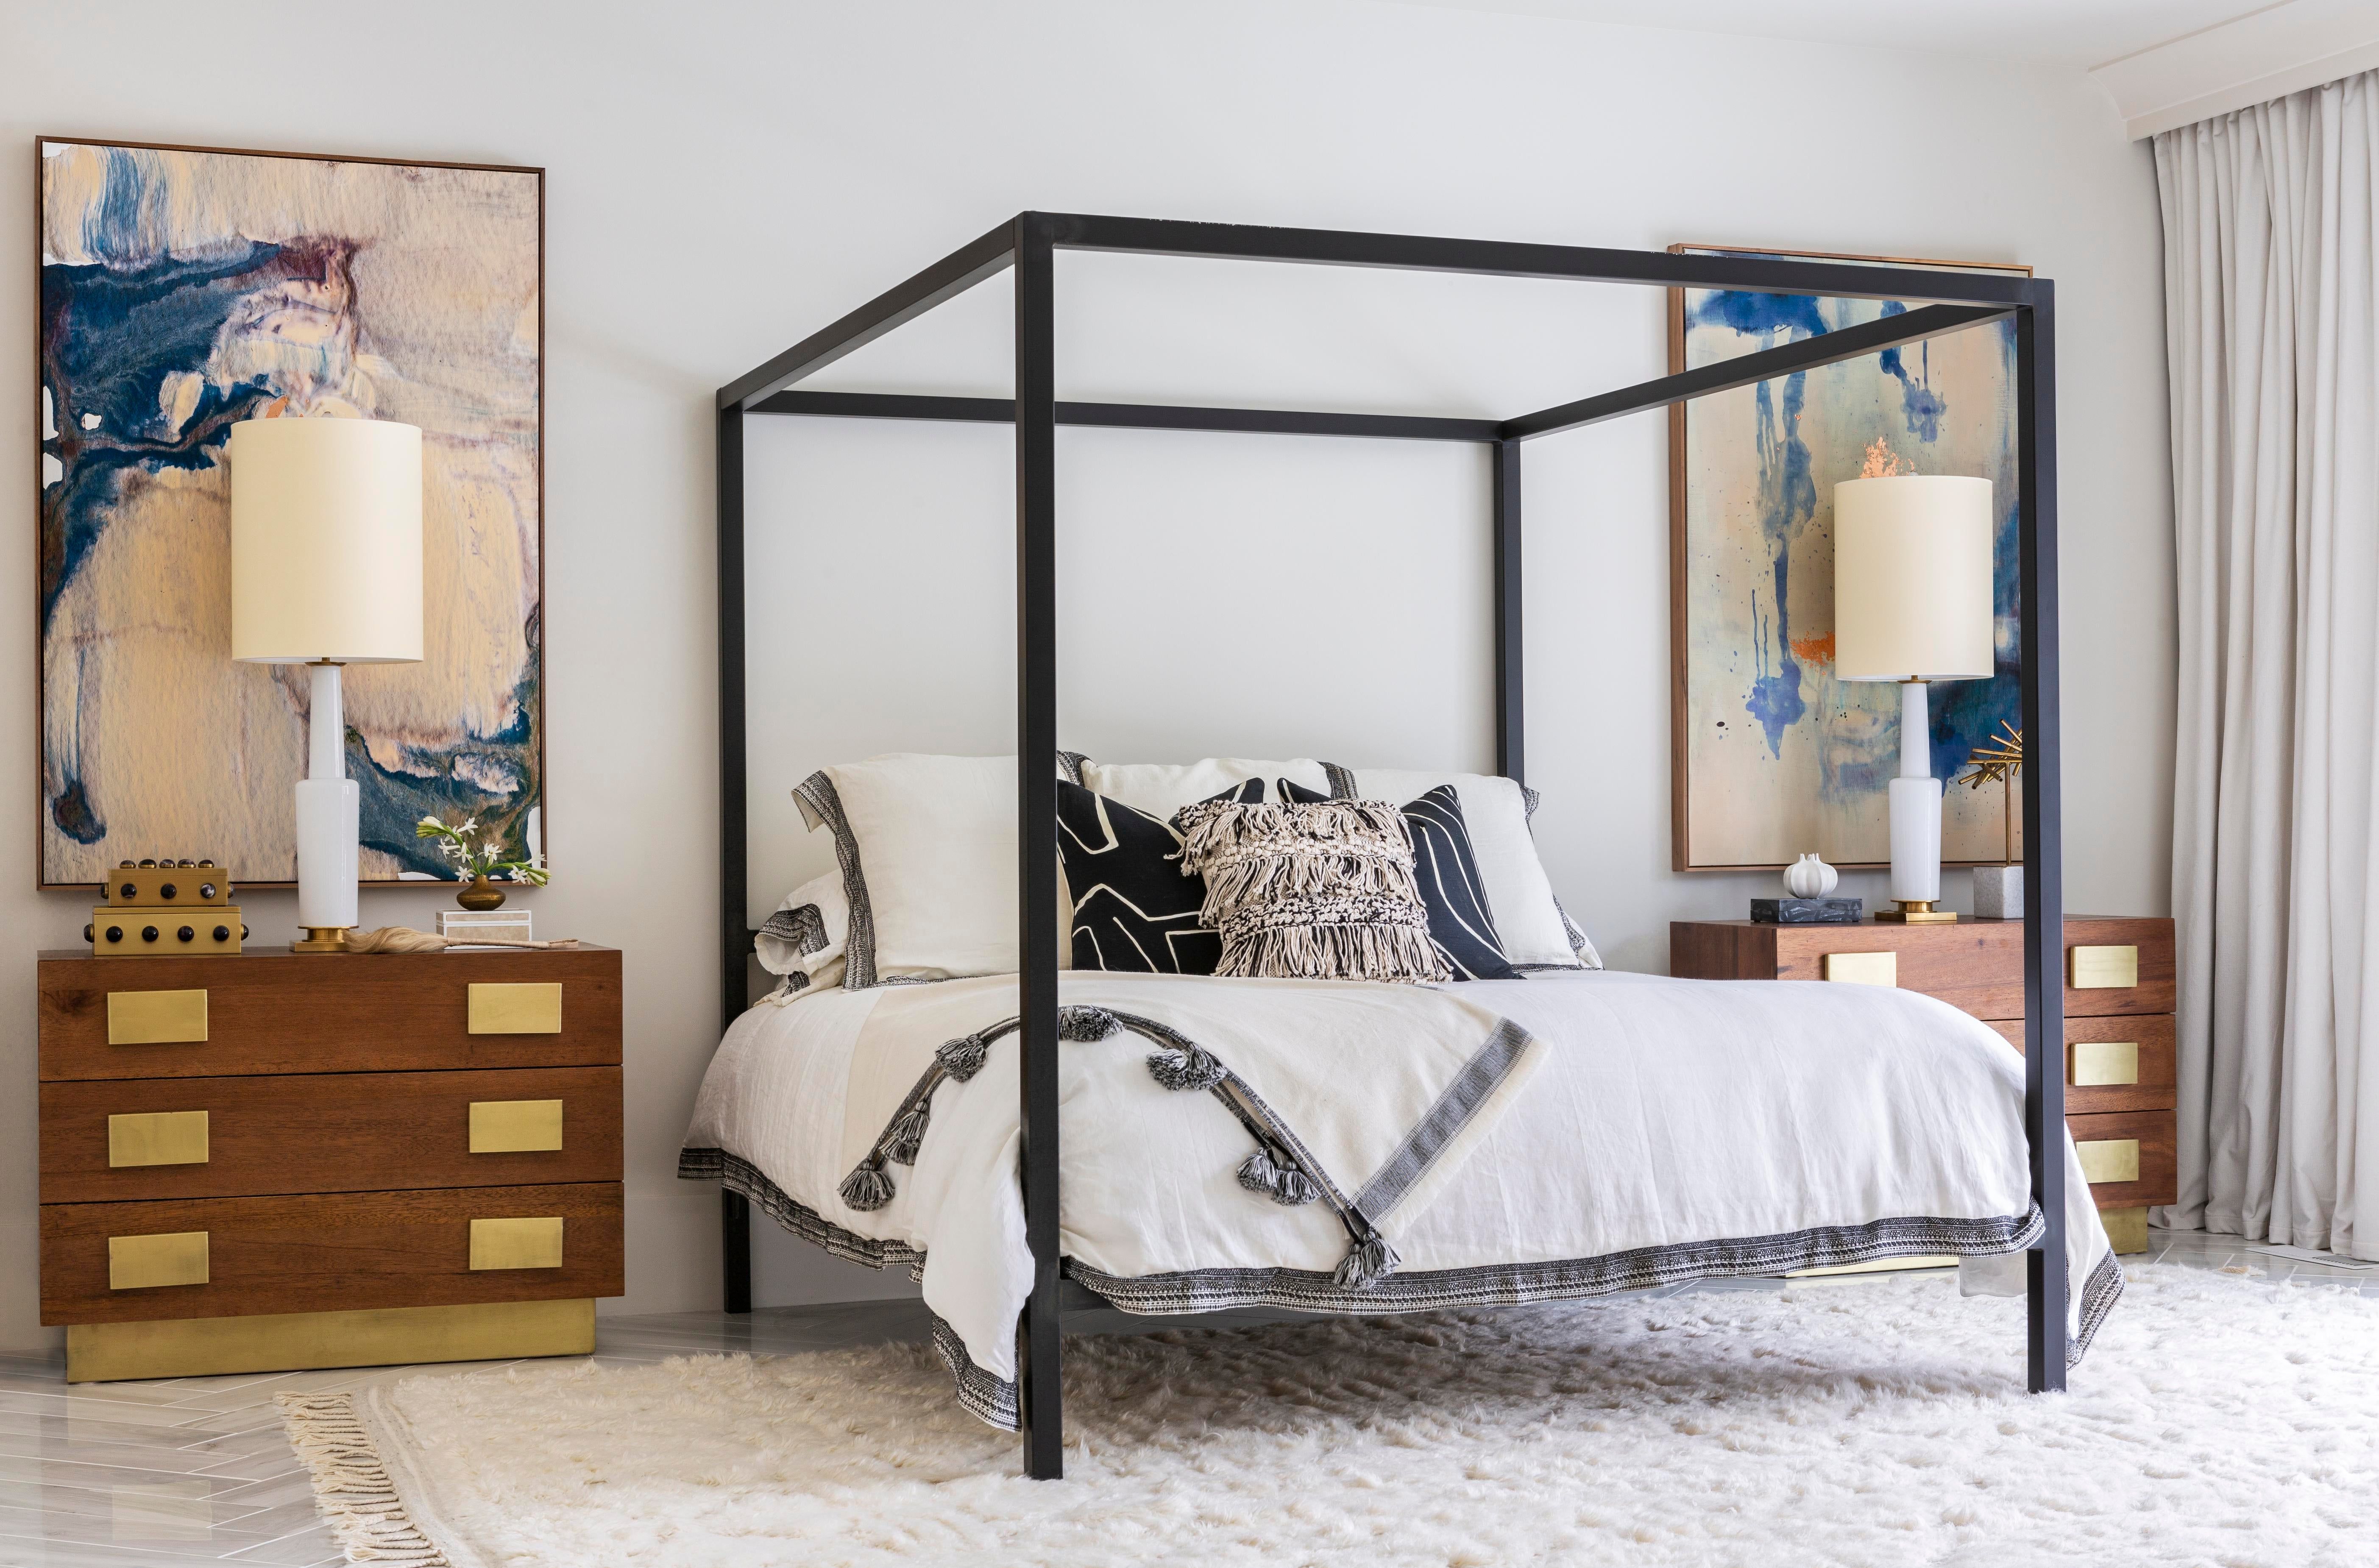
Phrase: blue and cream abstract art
[183,291]
[1776,758]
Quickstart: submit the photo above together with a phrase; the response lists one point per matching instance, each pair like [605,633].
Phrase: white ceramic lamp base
[1916,840]
[329,824]
[1915,818]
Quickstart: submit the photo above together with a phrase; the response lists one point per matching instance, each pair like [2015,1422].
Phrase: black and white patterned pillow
[1461,923]
[1133,908]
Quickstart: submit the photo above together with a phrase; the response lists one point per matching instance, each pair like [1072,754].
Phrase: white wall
[725,179]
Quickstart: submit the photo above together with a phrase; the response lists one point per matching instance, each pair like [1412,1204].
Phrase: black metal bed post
[1511,716]
[1039,1395]
[2047,1285]
[734,974]
[734,1251]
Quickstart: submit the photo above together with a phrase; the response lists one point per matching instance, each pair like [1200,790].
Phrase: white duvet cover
[1673,1128]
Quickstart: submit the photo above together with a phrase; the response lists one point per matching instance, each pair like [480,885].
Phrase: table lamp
[326,571]
[1912,604]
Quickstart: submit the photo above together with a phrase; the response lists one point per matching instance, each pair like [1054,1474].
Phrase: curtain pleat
[2272,327]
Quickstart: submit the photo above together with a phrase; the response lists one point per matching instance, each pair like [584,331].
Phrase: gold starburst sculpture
[1999,759]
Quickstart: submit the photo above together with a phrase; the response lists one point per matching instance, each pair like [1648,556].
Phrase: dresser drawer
[328,1253]
[113,1140]
[2119,1137]
[2118,965]
[2126,963]
[1978,968]
[207,1017]
[2097,1063]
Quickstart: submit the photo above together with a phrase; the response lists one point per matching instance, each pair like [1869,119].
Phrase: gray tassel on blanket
[907,1134]
[963,1057]
[1180,1062]
[1084,1025]
[1370,1260]
[868,1188]
[1187,1066]
[1265,1171]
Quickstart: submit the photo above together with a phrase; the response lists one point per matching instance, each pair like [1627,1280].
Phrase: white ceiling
[2079,33]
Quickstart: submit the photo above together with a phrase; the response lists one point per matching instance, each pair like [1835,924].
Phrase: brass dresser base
[2126,1229]
[198,1347]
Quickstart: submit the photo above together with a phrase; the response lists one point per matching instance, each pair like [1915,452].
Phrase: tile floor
[196,1469]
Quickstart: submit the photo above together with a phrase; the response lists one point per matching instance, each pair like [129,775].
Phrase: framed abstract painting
[184,290]
[1772,756]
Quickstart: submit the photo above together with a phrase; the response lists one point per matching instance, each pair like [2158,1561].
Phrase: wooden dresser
[267,1161]
[2118,1029]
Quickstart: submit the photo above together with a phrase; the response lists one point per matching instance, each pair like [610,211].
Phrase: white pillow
[926,846]
[1533,927]
[804,940]
[1161,788]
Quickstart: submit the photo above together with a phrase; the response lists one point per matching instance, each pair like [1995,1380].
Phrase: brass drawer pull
[1861,969]
[516,1007]
[516,1244]
[2108,1159]
[157,1138]
[509,1126]
[2102,969]
[145,1262]
[2097,1062]
[156,1018]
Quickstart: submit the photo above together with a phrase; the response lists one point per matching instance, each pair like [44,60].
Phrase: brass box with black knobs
[165,905]
[263,1162]
[2120,1084]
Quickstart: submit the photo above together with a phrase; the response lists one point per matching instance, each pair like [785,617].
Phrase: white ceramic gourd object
[1810,877]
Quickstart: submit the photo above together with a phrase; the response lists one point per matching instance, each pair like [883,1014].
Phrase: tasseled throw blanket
[1361,1097]
[1632,1131]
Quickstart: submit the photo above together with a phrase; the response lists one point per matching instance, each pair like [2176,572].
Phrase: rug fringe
[351,1485]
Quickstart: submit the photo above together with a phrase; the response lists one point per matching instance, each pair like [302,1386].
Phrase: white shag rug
[1874,1421]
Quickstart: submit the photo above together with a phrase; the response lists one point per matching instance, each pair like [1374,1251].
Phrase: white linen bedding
[1673,1128]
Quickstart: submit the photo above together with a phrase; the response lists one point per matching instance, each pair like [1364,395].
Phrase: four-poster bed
[1029,244]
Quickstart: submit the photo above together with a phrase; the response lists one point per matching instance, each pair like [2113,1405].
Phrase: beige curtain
[2274,355]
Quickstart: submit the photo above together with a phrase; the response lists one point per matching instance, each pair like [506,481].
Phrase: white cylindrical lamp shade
[1913,578]
[325,541]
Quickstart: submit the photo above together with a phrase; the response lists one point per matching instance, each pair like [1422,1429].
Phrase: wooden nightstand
[267,1161]
[2120,1094]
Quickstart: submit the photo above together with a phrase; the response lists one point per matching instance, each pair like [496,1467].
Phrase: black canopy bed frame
[1029,244]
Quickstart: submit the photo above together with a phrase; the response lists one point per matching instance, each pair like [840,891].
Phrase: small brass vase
[481,894]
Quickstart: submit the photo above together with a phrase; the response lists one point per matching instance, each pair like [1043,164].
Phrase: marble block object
[1998,892]
[1806,912]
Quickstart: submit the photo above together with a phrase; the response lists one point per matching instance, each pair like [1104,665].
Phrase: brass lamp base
[1919,911]
[334,939]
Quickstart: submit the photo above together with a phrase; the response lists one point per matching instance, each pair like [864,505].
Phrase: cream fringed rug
[1874,1422]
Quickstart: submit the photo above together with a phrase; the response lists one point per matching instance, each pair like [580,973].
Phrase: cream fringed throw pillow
[1323,891]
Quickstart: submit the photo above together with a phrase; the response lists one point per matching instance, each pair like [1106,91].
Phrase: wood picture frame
[263,282]
[1688,851]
